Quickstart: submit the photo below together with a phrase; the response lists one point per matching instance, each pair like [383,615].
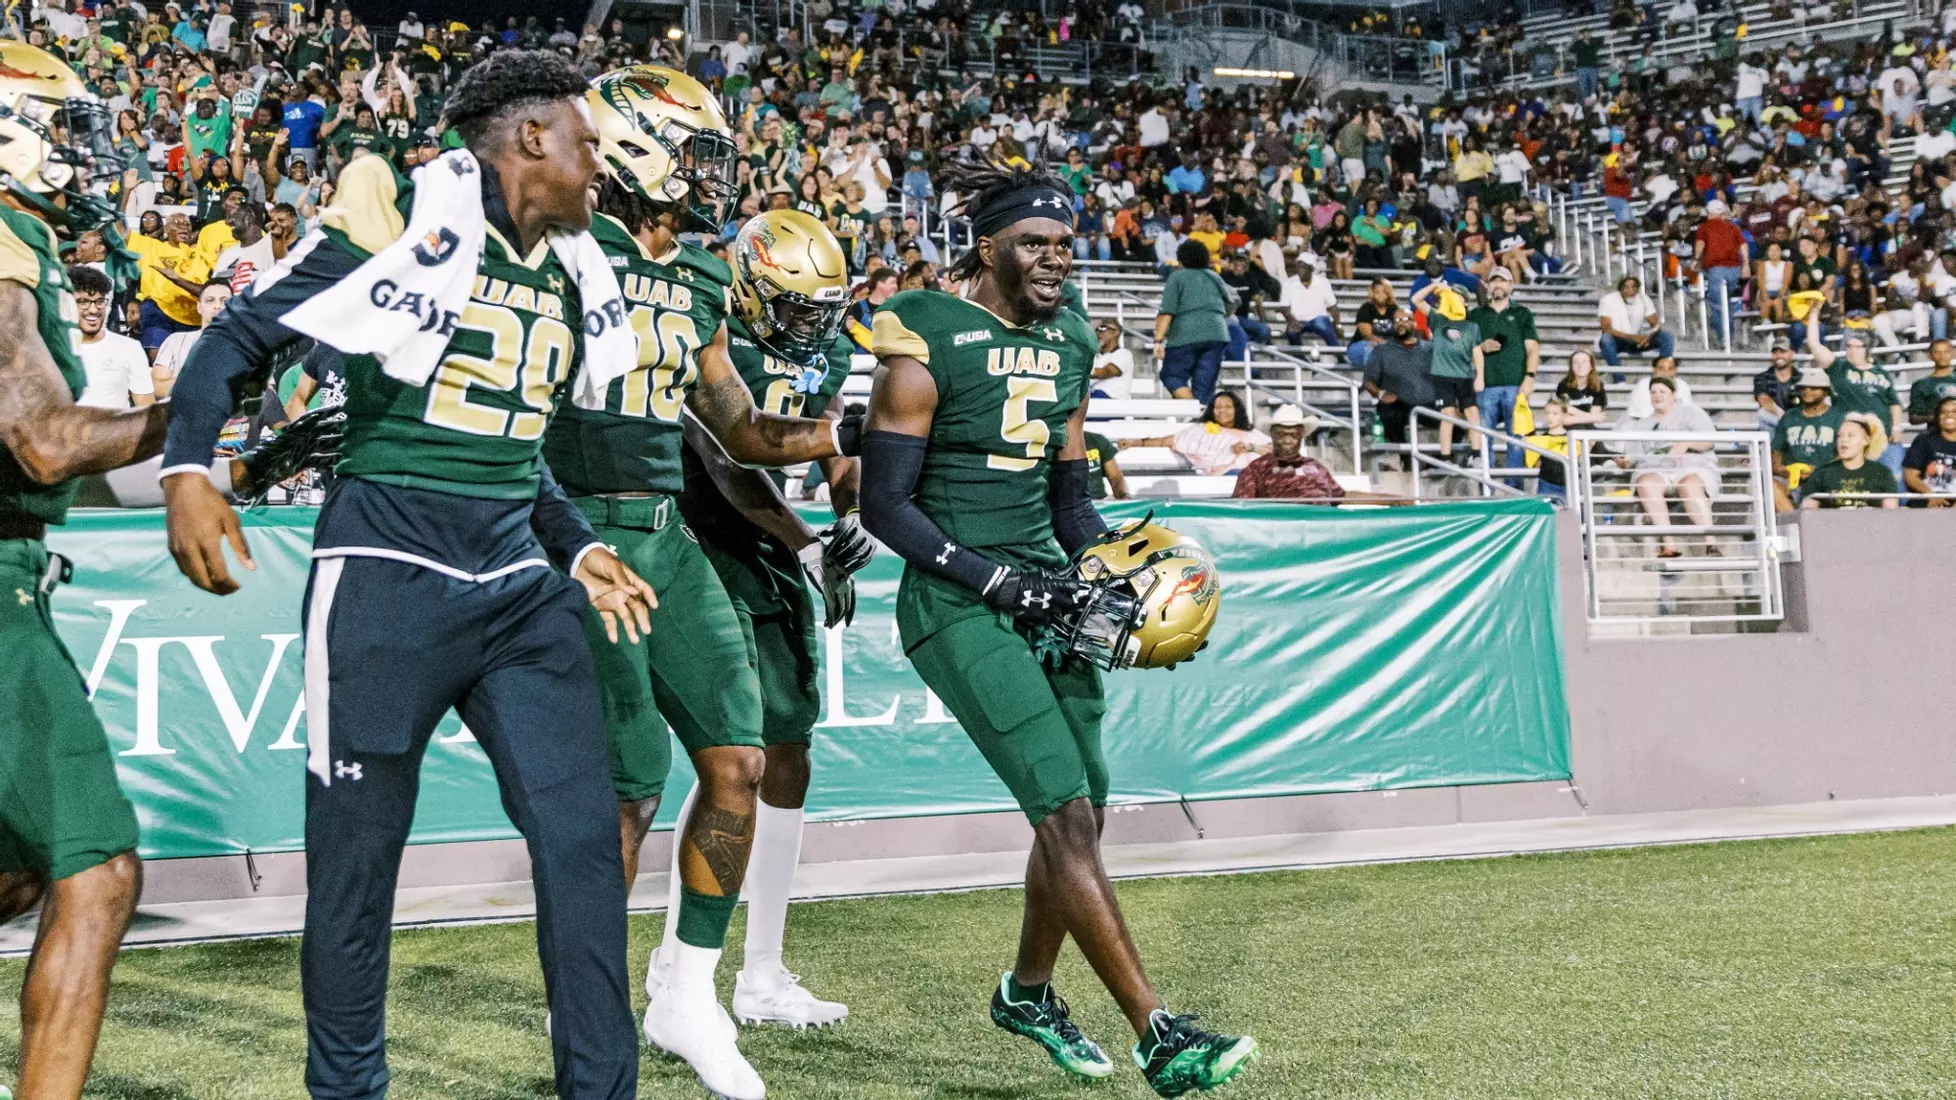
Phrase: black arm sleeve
[241,345]
[1076,522]
[557,523]
[891,463]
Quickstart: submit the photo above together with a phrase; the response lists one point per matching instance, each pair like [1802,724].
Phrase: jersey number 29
[535,361]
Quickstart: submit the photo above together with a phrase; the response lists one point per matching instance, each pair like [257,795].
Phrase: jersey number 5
[1019,428]
[537,362]
[660,387]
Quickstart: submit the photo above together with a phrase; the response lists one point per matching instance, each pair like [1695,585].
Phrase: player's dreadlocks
[621,202]
[980,186]
[504,81]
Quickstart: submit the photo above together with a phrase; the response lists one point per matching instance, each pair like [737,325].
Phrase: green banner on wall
[1356,650]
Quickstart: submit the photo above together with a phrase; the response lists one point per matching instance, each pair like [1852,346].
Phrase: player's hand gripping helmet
[661,135]
[791,283]
[1152,595]
[52,132]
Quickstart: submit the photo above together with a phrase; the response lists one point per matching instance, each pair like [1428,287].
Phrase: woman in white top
[1771,279]
[1689,468]
[1222,442]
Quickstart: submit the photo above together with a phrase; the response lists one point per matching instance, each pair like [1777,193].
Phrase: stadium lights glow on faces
[1258,74]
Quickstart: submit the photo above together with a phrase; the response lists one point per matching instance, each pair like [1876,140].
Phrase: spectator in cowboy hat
[1287,473]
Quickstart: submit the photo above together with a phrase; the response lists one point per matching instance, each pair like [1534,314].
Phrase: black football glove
[1036,599]
[311,442]
[846,547]
[849,435]
[837,587]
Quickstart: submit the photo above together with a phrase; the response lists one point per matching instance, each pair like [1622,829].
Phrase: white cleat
[696,1028]
[779,998]
[656,971]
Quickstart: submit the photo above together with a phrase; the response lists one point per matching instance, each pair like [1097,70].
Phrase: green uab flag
[1356,650]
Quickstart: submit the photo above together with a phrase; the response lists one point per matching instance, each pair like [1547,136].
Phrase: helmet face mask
[1152,596]
[54,135]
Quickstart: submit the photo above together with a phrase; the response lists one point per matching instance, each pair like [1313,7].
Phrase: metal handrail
[1483,477]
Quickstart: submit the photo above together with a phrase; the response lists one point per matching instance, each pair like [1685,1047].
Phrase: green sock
[1030,994]
[703,918]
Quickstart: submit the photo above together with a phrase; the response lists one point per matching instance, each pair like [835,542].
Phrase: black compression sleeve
[891,463]
[1076,522]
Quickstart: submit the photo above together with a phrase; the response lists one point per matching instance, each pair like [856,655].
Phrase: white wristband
[835,436]
[578,561]
[186,468]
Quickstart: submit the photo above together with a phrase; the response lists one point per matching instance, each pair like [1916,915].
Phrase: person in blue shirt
[302,121]
[1187,177]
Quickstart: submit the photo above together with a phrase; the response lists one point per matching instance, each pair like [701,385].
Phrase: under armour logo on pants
[344,770]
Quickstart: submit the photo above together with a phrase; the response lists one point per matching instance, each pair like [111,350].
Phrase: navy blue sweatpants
[391,645]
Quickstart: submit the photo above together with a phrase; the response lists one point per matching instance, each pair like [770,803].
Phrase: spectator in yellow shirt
[173,273]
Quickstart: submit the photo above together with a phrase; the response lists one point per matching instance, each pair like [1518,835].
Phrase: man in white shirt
[175,349]
[1751,94]
[1513,168]
[1629,322]
[1154,128]
[411,26]
[116,368]
[1113,364]
[1311,304]
[254,254]
[738,53]
[217,37]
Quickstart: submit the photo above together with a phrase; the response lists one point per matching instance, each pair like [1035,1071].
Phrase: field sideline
[1821,968]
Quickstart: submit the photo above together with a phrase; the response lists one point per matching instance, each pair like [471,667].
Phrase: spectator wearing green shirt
[1855,469]
[838,94]
[1803,440]
[1103,471]
[1588,56]
[1192,326]
[1511,354]
[1932,389]
[1861,386]
[363,136]
[207,127]
[1459,361]
[1077,173]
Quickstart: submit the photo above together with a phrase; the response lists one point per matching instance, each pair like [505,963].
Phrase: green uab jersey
[633,445]
[1004,395]
[1863,389]
[781,387]
[475,427]
[1807,439]
[785,388]
[28,257]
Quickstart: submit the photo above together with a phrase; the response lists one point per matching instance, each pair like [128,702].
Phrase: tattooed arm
[750,436]
[749,490]
[51,437]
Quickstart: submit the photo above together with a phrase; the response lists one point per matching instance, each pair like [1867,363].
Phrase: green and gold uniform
[777,614]
[622,466]
[61,811]
[1004,395]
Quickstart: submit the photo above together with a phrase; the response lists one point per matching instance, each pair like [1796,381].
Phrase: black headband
[1037,201]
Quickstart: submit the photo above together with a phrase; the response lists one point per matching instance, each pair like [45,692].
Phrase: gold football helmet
[52,130]
[1152,597]
[791,283]
[662,136]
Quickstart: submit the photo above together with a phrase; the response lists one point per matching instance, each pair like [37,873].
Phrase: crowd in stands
[1762,174]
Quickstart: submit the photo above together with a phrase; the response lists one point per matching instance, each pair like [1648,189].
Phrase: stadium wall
[1822,709]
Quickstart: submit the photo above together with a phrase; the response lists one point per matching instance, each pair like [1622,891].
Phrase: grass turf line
[1817,968]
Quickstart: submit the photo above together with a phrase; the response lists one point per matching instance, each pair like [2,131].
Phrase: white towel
[400,305]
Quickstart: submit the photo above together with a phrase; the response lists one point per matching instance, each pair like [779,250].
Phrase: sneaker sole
[755,1020]
[1235,1062]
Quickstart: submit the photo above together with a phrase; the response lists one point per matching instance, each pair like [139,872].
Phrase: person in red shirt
[1720,250]
[1286,473]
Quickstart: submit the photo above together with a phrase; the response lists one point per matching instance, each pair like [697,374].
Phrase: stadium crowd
[1763,175]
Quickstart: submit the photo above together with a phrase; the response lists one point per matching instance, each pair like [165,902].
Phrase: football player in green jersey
[791,288]
[667,169]
[974,470]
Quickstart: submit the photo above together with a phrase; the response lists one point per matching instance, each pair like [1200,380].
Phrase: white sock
[671,939]
[692,969]
[770,878]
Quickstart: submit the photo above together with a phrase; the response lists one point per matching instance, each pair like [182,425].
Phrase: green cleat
[1048,1023]
[1182,1058]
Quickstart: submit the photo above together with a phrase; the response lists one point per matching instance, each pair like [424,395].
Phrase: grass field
[1786,969]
